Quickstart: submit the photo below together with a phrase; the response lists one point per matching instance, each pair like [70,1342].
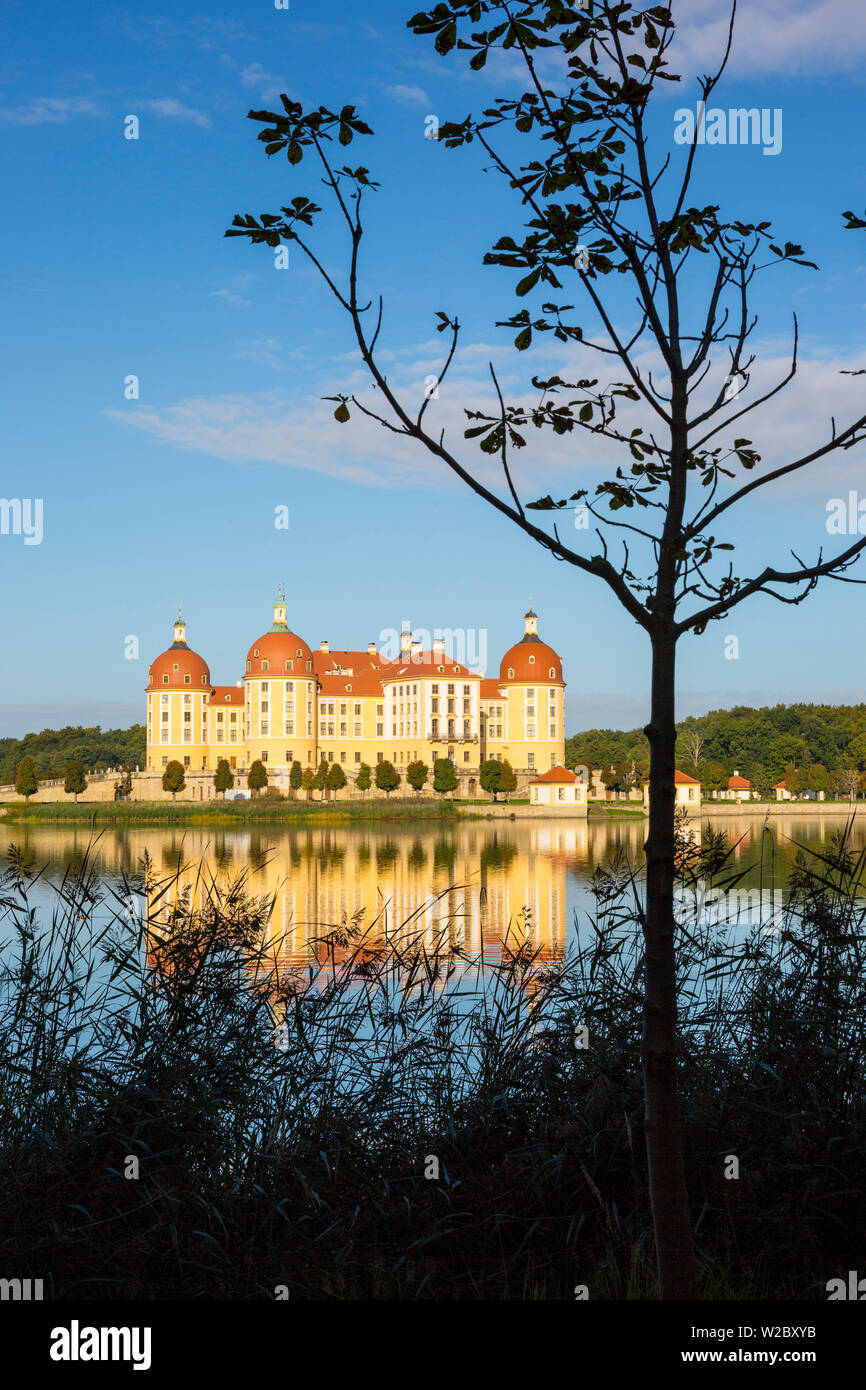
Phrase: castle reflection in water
[476,883]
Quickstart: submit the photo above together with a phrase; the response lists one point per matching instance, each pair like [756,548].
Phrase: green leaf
[526,284]
[342,413]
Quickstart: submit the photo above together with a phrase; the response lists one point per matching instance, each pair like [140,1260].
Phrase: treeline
[52,749]
[759,743]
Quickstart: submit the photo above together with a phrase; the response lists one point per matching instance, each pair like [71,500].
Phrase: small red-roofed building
[738,788]
[558,790]
[781,790]
[688,793]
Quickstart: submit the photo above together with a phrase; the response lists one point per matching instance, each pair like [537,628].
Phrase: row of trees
[496,778]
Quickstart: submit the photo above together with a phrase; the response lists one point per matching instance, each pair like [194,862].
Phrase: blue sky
[114,263]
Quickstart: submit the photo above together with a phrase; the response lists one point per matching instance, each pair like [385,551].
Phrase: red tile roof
[227,695]
[737,783]
[556,774]
[682,780]
[361,683]
[492,690]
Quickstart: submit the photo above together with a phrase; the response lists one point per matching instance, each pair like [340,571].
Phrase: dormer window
[511,673]
[249,665]
[290,665]
[266,665]
[165,680]
[552,673]
[441,670]
[228,699]
[309,664]
[348,687]
[187,680]
[204,680]
[256,652]
[300,653]
[175,667]
[532,661]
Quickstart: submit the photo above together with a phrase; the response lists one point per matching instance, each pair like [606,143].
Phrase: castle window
[349,688]
[165,697]
[249,665]
[290,685]
[289,664]
[309,665]
[552,673]
[441,670]
[532,661]
[187,680]
[265,756]
[266,664]
[511,673]
[300,653]
[457,669]
[256,652]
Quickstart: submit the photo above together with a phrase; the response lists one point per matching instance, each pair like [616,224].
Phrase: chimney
[325,647]
[405,641]
[439,646]
[371,648]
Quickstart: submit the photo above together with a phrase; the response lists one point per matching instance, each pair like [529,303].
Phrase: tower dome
[530,659]
[278,650]
[179,666]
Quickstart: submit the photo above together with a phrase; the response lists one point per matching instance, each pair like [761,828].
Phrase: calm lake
[486,880]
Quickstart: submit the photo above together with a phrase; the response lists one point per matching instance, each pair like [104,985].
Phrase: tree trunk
[667,1184]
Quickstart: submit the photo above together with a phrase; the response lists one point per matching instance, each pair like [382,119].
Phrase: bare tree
[695,747]
[600,211]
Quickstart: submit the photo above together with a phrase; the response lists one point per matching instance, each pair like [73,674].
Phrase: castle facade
[353,707]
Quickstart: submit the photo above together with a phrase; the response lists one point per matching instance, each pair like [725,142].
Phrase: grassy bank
[422,1129]
[261,811]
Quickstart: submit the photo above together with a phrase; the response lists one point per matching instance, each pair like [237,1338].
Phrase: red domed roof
[531,660]
[177,663]
[277,648]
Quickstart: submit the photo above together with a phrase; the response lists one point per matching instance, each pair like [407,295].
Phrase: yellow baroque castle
[353,707]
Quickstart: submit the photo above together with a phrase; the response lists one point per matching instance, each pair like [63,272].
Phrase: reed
[393,1119]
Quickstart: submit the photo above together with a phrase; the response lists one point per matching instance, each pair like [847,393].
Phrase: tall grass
[393,1119]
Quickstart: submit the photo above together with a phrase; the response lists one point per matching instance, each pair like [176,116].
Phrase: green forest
[51,750]
[762,744]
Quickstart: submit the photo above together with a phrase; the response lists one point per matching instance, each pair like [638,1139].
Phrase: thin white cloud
[299,431]
[174,110]
[267,84]
[49,111]
[231,297]
[780,37]
[408,96]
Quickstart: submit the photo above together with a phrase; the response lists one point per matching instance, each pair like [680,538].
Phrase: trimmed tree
[173,779]
[296,777]
[26,780]
[507,779]
[223,778]
[75,779]
[491,776]
[364,779]
[444,776]
[257,777]
[308,777]
[336,779]
[320,777]
[387,777]
[417,774]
